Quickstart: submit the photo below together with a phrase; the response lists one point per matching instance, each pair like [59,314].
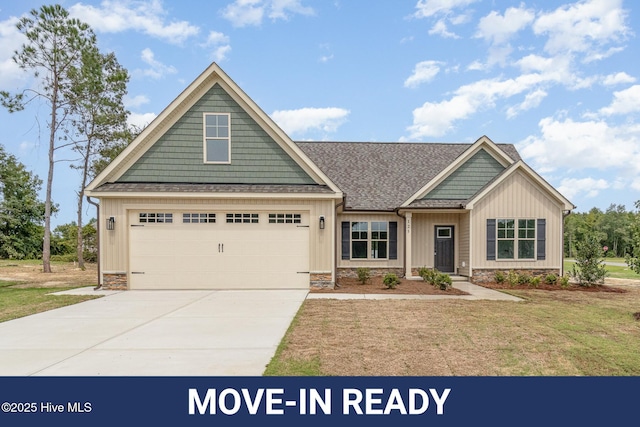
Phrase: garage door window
[198,218]
[242,218]
[283,218]
[155,218]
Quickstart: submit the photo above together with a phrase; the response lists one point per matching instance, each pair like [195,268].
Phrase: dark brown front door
[444,250]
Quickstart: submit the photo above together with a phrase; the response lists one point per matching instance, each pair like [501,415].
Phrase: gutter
[97,239]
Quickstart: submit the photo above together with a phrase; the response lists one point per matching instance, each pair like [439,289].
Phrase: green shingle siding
[468,179]
[178,155]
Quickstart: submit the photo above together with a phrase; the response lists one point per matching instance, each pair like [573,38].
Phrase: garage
[218,250]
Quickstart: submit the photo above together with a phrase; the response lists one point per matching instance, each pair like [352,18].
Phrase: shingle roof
[132,187]
[382,176]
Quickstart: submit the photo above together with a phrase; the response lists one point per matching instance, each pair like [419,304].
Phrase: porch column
[407,244]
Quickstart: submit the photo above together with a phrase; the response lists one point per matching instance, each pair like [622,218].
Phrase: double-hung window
[369,240]
[217,138]
[516,236]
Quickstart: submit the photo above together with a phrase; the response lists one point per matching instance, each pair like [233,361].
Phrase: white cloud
[136,101]
[148,17]
[243,13]
[326,58]
[306,119]
[140,120]
[11,76]
[221,46]
[569,145]
[423,72]
[440,29]
[531,100]
[280,9]
[437,118]
[584,26]
[158,70]
[624,102]
[571,187]
[498,29]
[618,78]
[427,8]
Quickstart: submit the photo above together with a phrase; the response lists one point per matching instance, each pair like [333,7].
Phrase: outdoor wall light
[321,222]
[111,223]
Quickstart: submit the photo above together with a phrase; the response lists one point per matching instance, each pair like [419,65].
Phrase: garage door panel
[219,255]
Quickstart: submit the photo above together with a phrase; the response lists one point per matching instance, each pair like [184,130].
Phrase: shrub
[589,268]
[535,281]
[512,278]
[564,281]
[428,274]
[390,280]
[524,279]
[551,279]
[363,274]
[499,276]
[442,281]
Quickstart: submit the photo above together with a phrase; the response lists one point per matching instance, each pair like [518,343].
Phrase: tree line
[613,228]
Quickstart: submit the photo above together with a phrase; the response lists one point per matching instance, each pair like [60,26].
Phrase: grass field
[615,271]
[26,290]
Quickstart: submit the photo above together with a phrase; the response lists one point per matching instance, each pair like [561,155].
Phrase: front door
[444,250]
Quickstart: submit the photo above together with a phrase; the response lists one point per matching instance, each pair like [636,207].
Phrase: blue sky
[559,80]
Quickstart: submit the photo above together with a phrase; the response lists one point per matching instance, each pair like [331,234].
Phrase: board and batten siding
[178,155]
[519,198]
[371,263]
[423,239]
[464,242]
[114,256]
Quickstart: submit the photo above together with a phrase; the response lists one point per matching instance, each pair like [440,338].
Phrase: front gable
[482,162]
[468,179]
[178,155]
[171,150]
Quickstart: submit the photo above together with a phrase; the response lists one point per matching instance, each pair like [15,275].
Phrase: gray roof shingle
[382,176]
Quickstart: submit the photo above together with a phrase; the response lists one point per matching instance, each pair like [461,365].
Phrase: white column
[407,245]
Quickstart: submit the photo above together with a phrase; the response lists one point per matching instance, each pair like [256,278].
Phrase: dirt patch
[375,286]
[29,274]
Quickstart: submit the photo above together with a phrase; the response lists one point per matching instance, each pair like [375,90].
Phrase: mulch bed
[556,287]
[375,286]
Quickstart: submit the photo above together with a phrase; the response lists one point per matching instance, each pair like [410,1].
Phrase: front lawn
[550,334]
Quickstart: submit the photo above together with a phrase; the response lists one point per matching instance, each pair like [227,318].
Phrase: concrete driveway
[158,333]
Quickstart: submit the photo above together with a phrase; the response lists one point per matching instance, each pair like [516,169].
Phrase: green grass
[615,271]
[19,302]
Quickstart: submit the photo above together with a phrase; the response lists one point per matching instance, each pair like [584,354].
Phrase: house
[213,194]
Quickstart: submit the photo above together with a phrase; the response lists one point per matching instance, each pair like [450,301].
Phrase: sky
[560,80]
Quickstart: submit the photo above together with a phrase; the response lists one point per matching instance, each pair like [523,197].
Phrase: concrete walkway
[475,293]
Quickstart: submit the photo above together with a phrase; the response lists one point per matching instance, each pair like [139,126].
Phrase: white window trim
[516,240]
[369,241]
[204,138]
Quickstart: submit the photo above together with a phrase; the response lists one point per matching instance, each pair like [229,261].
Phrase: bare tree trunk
[80,243]
[46,241]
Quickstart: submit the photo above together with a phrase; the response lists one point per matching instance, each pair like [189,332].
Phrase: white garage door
[218,250]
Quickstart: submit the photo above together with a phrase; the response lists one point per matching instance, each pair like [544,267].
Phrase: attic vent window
[217,139]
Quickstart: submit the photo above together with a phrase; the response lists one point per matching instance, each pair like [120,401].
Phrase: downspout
[404,240]
[565,213]
[338,241]
[97,239]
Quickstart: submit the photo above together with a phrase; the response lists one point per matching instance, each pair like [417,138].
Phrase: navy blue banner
[376,401]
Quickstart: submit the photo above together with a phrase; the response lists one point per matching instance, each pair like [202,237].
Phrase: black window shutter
[491,239]
[541,238]
[393,240]
[346,240]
